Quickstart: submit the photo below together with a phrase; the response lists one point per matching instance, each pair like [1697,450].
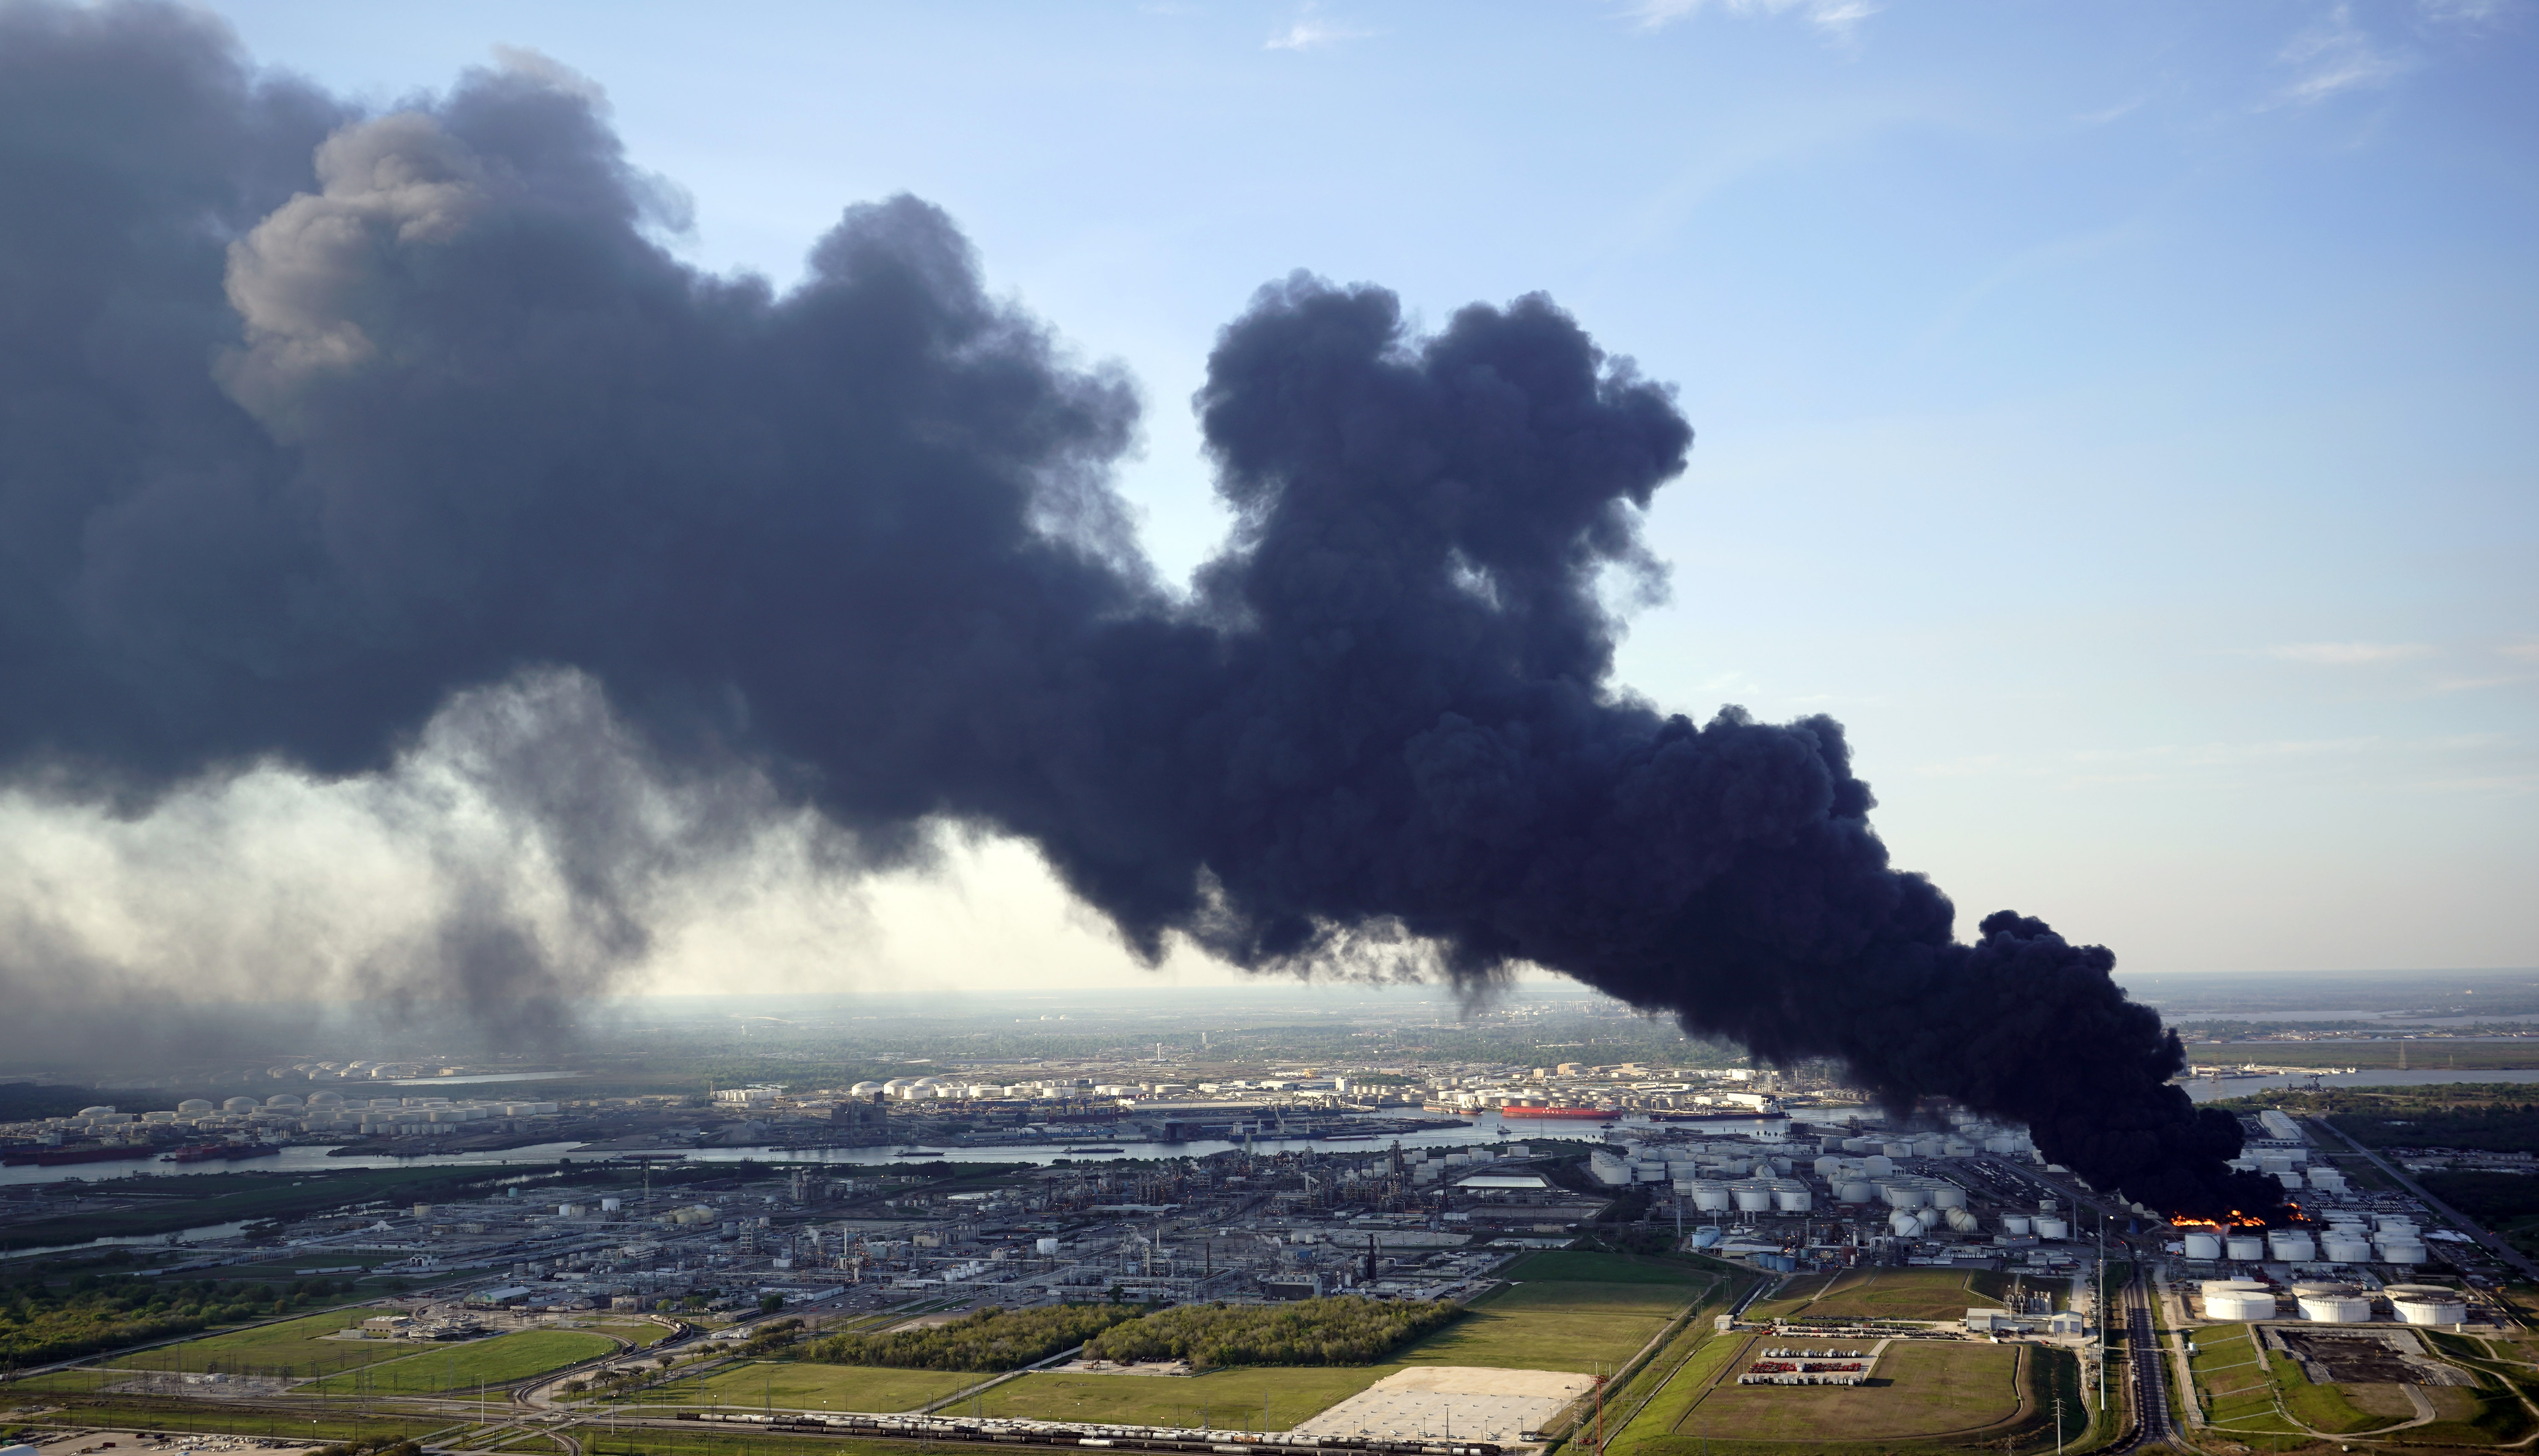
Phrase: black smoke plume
[311,419]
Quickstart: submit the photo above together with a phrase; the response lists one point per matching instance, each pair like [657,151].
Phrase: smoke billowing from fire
[310,420]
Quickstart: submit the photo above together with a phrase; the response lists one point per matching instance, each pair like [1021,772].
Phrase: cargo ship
[222,1152]
[54,1157]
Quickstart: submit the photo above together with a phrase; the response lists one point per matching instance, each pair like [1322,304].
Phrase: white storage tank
[2327,1180]
[1905,1195]
[1947,1195]
[2347,1248]
[2245,1246]
[1877,1165]
[1855,1191]
[2391,1223]
[1855,1144]
[1711,1197]
[2428,1304]
[1904,1224]
[1793,1198]
[1752,1197]
[2053,1228]
[2015,1223]
[2290,1245]
[1827,1166]
[2203,1245]
[2332,1304]
[2238,1304]
[2398,1249]
[282,1102]
[1046,1248]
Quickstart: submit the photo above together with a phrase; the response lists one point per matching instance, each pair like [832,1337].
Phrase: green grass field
[1227,1399]
[290,1349]
[1888,1295]
[801,1386]
[2235,1384]
[1922,1390]
[491,1363]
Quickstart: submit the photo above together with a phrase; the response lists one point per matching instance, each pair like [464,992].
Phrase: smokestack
[322,421]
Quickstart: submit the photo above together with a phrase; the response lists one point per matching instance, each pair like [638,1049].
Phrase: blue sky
[2120,415]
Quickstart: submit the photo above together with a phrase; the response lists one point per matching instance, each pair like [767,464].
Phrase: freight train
[1124,1437]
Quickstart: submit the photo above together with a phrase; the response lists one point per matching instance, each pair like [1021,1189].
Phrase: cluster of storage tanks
[2333,1303]
[2346,1241]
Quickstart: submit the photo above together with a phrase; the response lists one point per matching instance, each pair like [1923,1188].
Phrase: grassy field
[1228,1398]
[293,1348]
[322,1422]
[1921,1390]
[491,1363]
[1889,1295]
[789,1385]
[2234,1383]
[1560,1310]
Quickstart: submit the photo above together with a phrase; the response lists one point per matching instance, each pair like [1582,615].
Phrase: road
[2494,1243]
[2142,1356]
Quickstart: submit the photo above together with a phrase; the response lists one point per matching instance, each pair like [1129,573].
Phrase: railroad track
[2148,1365]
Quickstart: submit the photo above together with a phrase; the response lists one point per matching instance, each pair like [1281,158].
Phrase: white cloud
[1836,18]
[2521,651]
[2349,653]
[2335,56]
[1312,33]
[2465,11]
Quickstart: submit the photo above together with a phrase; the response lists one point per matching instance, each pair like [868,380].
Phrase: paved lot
[1471,1402]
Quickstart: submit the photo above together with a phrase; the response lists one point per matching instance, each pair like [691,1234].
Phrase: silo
[1947,1195]
[1855,1191]
[1753,1195]
[1711,1197]
[2239,1305]
[2428,1304]
[2053,1228]
[2247,1246]
[2015,1223]
[1792,1196]
[1961,1219]
[2203,1245]
[2332,1304]
[1904,1223]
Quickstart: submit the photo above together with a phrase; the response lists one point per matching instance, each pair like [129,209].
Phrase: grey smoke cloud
[324,423]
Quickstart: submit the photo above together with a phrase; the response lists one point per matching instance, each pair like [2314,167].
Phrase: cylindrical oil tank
[2337,1307]
[1751,1198]
[2053,1228]
[1793,1198]
[1855,1191]
[2347,1248]
[2388,1222]
[1957,1148]
[1712,1198]
[2327,1180]
[1877,1165]
[2247,1246]
[1826,1168]
[1649,1173]
[194,1107]
[1705,1237]
[2015,1224]
[2001,1142]
[1929,1147]
[1855,1145]
[1947,1195]
[2290,1245]
[1896,1148]
[2273,1162]
[2238,1304]
[1902,1195]
[2395,1249]
[1904,1224]
[2289,1178]
[240,1104]
[1046,1248]
[1961,1219]
[283,1101]
[2204,1246]
[2429,1307]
